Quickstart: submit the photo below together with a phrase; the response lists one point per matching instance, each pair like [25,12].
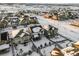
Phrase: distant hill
[49,4]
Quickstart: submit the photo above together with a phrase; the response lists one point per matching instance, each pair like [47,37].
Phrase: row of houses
[19,33]
[61,14]
[17,19]
[12,29]
[72,50]
[25,34]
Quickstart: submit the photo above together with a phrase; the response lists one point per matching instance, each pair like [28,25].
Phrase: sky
[39,1]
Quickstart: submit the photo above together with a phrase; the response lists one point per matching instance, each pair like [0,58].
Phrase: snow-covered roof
[22,34]
[15,32]
[37,29]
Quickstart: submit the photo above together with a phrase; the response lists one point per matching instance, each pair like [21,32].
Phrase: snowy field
[64,27]
[24,48]
[41,42]
[46,51]
[57,39]
[7,54]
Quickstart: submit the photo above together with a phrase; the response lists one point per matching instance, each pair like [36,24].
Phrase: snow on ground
[64,28]
[42,41]
[35,54]
[46,51]
[7,53]
[65,44]
[24,48]
[58,38]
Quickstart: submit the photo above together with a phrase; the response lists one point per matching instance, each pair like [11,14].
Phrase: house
[20,35]
[56,52]
[33,20]
[50,31]
[3,23]
[24,20]
[72,50]
[75,23]
[13,20]
[4,39]
[55,17]
[35,31]
[47,16]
